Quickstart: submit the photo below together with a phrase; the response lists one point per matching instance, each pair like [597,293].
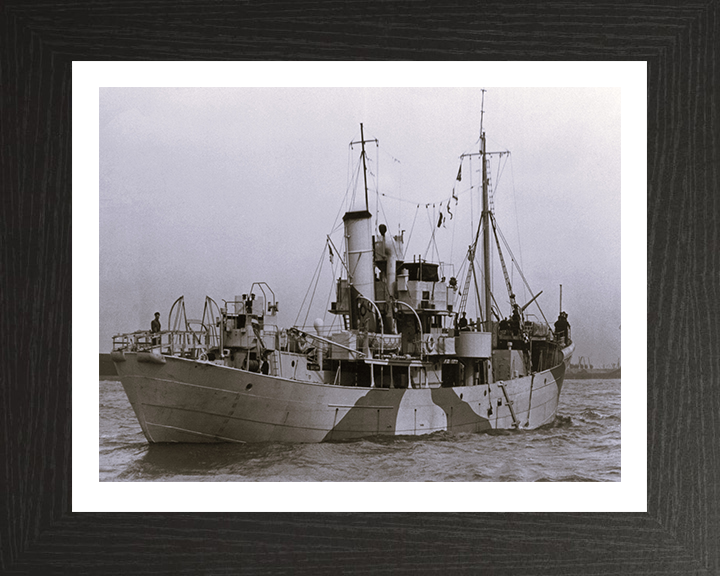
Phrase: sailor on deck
[155,328]
[562,328]
[462,323]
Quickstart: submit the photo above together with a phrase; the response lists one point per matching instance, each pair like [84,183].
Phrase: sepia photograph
[360,284]
[373,288]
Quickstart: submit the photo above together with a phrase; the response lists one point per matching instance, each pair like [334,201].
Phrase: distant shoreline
[592,373]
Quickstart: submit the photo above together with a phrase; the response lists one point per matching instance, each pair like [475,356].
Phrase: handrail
[419,324]
[260,285]
[185,342]
[209,321]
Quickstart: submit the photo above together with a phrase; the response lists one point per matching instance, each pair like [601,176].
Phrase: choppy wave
[560,422]
[571,478]
[581,445]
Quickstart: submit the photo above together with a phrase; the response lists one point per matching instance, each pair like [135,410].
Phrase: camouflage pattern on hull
[183,400]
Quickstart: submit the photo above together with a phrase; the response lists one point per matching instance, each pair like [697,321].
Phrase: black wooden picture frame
[681,530]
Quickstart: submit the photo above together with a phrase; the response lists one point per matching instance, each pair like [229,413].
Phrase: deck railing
[185,343]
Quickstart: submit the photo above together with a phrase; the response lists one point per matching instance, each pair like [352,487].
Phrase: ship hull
[181,400]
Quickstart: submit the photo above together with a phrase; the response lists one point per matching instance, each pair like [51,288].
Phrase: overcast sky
[204,191]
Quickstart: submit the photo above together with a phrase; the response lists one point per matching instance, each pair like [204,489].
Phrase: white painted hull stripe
[197,433]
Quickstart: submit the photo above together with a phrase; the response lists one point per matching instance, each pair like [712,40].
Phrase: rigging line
[377,205]
[400,201]
[521,273]
[500,172]
[462,267]
[497,177]
[472,224]
[465,290]
[512,256]
[377,182]
[337,223]
[350,169]
[459,293]
[496,309]
[517,223]
[390,155]
[319,264]
[452,239]
[387,220]
[471,274]
[480,228]
[501,164]
[382,208]
[337,253]
[432,236]
[486,274]
[443,199]
[337,227]
[350,186]
[470,259]
[354,185]
[477,292]
[407,246]
[330,293]
[501,168]
[317,281]
[424,254]
[435,229]
[508,284]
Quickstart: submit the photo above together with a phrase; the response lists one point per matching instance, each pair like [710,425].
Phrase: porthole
[461,396]
[248,387]
[292,363]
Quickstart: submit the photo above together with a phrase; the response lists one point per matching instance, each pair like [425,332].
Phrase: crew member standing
[155,328]
[462,323]
[562,328]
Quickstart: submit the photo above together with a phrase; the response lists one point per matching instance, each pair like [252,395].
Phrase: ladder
[516,422]
[491,196]
[274,364]
[466,290]
[502,263]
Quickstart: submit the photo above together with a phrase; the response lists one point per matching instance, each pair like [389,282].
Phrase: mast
[485,218]
[360,257]
[362,140]
[362,143]
[486,234]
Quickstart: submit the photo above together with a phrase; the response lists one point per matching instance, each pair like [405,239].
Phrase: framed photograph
[659,516]
[182,187]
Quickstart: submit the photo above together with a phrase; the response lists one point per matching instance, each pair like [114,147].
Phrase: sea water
[582,445]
